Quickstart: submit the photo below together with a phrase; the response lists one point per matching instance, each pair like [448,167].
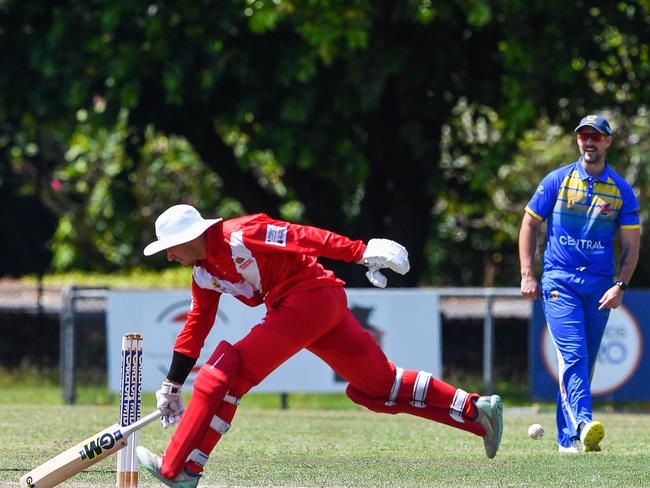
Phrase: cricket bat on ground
[97,447]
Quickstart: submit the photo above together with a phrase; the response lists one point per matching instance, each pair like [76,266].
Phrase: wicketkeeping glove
[384,253]
[169,400]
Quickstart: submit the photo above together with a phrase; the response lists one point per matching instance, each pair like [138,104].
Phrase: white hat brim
[180,238]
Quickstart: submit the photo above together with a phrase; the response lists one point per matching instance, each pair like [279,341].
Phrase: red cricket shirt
[259,260]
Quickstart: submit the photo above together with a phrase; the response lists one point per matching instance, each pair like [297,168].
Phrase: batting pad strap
[219,425]
[198,457]
[397,383]
[233,400]
[457,405]
[420,389]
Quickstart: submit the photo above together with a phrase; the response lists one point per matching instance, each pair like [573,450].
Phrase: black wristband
[621,284]
[180,368]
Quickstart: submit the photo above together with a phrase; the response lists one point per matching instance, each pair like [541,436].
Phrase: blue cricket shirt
[584,213]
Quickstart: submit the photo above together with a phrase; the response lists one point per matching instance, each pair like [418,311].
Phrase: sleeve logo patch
[276,235]
[243,263]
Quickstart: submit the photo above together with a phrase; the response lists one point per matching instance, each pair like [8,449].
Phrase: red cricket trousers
[320,321]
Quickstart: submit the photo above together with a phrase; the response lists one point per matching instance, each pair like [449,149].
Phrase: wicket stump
[130,399]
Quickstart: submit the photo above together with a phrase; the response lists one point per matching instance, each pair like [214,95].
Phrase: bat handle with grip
[137,425]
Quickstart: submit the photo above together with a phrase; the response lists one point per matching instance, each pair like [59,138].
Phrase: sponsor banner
[622,369]
[405,323]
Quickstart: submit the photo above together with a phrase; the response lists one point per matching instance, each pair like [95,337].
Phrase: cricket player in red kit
[261,260]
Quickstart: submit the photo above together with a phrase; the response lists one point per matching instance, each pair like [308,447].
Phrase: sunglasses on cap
[594,136]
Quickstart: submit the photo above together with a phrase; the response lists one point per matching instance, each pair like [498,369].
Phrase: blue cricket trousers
[576,327]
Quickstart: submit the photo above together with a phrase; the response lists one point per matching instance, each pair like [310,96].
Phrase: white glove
[376,277]
[169,400]
[384,253]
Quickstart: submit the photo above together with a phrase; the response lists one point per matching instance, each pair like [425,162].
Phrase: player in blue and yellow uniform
[586,204]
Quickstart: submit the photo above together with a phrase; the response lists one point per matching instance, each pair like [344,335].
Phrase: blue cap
[598,122]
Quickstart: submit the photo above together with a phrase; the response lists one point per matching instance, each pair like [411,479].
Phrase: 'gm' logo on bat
[103,443]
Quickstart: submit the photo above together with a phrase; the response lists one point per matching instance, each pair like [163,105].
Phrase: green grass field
[345,446]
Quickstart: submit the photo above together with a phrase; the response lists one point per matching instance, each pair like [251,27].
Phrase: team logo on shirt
[585,244]
[605,209]
[243,263]
[555,294]
[276,235]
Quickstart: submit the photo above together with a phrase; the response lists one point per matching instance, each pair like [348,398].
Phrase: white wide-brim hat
[177,225]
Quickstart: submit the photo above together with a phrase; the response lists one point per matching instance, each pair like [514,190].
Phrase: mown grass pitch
[336,448]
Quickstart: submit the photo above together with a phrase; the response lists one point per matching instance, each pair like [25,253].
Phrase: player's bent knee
[216,375]
[370,395]
[372,403]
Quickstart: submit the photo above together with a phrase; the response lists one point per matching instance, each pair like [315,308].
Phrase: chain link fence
[39,325]
[485,332]
[30,298]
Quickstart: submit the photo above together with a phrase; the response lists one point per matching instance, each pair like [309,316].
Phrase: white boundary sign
[406,323]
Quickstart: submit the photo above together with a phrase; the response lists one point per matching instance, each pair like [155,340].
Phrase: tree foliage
[409,120]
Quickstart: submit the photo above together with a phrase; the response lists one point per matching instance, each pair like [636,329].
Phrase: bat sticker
[94,448]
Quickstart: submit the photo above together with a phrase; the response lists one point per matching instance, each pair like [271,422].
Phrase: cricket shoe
[570,449]
[490,416]
[590,435]
[153,463]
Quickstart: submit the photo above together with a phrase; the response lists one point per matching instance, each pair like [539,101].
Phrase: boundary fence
[513,305]
[74,302]
[84,303]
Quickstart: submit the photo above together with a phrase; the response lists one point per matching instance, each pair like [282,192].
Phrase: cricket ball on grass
[536,431]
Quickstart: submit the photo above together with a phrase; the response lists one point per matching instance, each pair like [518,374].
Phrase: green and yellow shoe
[590,435]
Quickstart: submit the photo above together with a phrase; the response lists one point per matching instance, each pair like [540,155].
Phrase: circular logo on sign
[618,358]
